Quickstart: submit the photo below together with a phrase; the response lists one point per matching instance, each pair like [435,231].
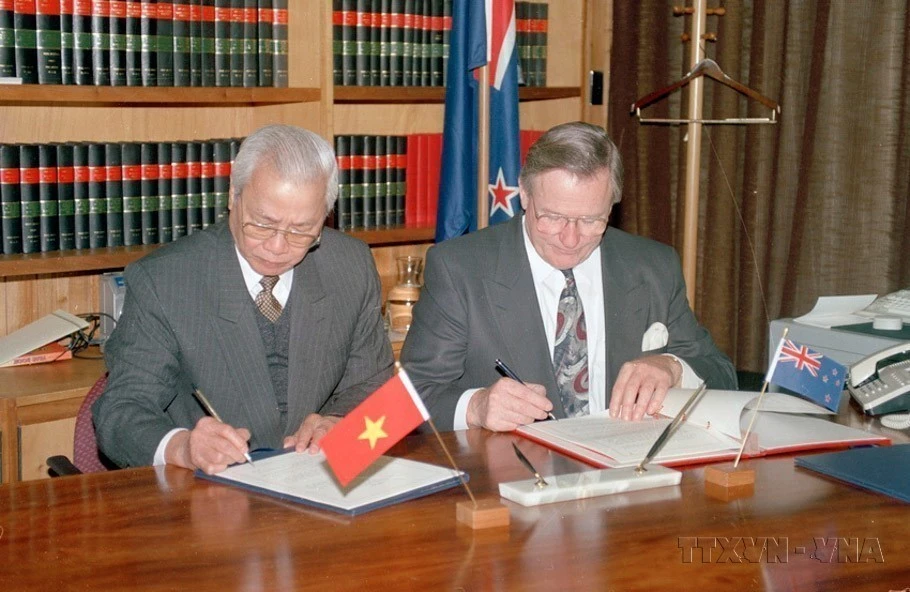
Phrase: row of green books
[531,30]
[80,195]
[220,43]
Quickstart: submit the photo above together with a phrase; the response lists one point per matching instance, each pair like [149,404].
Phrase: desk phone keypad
[893,378]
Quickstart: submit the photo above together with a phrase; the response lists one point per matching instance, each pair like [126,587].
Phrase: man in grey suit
[555,293]
[273,317]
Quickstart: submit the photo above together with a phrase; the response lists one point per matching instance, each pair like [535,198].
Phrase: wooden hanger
[707,67]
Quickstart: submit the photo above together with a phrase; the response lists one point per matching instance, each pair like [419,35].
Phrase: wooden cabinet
[38,421]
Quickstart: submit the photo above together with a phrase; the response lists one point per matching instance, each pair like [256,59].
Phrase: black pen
[211,411]
[508,372]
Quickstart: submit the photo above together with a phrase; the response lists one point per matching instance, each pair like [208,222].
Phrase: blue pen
[508,372]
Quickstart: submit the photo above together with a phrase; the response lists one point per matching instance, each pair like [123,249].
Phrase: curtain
[817,204]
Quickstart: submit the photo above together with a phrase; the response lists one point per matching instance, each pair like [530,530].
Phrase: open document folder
[712,432]
[306,478]
[49,328]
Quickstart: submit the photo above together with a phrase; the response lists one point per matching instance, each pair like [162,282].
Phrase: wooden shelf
[58,262]
[420,94]
[48,94]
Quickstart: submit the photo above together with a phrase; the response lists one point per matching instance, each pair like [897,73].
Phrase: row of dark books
[388,181]
[531,29]
[80,195]
[150,43]
[390,42]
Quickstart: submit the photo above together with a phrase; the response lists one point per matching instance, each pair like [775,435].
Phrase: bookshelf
[34,285]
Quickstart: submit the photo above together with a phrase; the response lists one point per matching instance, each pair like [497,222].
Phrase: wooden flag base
[488,513]
[726,483]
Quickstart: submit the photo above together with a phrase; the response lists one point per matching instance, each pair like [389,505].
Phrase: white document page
[309,477]
[833,311]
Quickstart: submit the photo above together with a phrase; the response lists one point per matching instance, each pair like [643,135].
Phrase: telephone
[880,383]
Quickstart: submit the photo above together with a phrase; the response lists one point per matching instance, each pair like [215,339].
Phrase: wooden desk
[38,406]
[148,529]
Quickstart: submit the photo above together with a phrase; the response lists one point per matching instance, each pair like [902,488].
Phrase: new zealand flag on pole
[483,32]
[807,372]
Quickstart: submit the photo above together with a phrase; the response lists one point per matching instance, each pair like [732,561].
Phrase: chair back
[85,448]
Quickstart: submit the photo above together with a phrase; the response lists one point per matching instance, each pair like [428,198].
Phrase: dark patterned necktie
[570,352]
[266,302]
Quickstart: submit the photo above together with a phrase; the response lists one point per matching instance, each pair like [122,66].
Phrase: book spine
[222,182]
[66,206]
[222,42]
[47,21]
[264,18]
[164,27]
[368,206]
[357,174]
[114,192]
[410,199]
[436,38]
[97,197]
[422,182]
[343,203]
[48,225]
[407,44]
[179,172]
[117,37]
[542,34]
[250,61]
[374,20]
[131,175]
[235,27]
[385,43]
[362,43]
[396,43]
[337,43]
[207,172]
[348,42]
[182,43]
[148,190]
[193,187]
[29,198]
[381,184]
[7,39]
[10,203]
[66,42]
[446,38]
[521,41]
[165,194]
[82,42]
[26,40]
[42,355]
[148,44]
[391,161]
[101,42]
[426,44]
[280,43]
[433,164]
[81,203]
[209,73]
[196,43]
[133,43]
[401,152]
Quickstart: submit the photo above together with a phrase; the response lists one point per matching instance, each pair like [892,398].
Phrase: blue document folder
[883,469]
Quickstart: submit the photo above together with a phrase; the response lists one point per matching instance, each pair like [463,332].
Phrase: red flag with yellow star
[374,426]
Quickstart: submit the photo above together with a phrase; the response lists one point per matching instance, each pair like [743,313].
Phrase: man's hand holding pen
[508,404]
[210,446]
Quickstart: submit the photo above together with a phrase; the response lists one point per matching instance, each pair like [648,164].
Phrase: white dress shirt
[281,292]
[548,285]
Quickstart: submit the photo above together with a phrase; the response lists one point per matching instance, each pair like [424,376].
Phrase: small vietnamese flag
[374,426]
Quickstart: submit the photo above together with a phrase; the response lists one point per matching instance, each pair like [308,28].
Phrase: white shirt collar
[282,289]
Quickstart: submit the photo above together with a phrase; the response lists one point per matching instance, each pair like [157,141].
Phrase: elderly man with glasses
[273,317]
[589,318]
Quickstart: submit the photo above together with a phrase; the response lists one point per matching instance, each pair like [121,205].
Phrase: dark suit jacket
[478,303]
[188,319]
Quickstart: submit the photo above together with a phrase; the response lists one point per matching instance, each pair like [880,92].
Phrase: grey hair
[577,147]
[296,154]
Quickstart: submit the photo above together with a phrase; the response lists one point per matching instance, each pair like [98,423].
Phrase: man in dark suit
[591,318]
[273,317]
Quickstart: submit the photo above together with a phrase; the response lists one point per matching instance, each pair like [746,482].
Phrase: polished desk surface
[163,529]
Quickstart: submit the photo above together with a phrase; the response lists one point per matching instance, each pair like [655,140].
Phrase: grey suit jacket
[478,303]
[188,319]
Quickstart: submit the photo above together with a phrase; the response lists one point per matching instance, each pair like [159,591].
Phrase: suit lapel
[624,305]
[309,310]
[241,342]
[513,303]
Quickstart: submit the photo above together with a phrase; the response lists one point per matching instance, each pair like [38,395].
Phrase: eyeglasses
[299,240]
[554,224]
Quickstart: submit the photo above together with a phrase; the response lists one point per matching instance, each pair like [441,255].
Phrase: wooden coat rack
[701,68]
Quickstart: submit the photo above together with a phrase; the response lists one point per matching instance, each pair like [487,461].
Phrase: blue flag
[470,45]
[808,373]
